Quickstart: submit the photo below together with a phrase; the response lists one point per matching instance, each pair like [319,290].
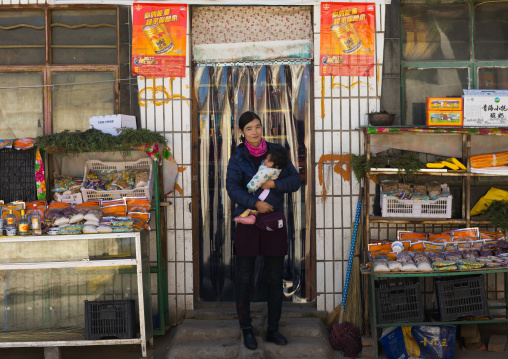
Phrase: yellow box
[444,118]
[445,103]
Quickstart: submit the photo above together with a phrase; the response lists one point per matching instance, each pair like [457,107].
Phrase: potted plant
[381,118]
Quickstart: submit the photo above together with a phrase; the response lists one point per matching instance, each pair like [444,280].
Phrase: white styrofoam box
[112,123]
[391,206]
[486,110]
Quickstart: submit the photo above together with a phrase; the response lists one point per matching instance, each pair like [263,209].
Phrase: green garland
[92,140]
[407,163]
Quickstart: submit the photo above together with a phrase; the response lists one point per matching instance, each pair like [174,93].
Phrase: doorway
[280,95]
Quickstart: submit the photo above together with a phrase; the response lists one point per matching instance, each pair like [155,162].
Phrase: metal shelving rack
[464,221]
[161,267]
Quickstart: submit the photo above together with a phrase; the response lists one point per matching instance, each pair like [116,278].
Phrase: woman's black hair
[246,118]
[279,157]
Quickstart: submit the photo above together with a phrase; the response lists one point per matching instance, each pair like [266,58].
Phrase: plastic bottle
[23,224]
[36,222]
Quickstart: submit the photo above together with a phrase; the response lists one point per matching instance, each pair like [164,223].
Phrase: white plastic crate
[96,165]
[437,208]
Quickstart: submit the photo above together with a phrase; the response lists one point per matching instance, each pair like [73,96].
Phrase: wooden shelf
[405,220]
[462,173]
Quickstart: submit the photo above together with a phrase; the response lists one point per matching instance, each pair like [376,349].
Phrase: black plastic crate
[399,301]
[17,175]
[109,319]
[461,297]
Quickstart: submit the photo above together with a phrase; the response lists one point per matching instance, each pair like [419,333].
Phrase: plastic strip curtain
[279,94]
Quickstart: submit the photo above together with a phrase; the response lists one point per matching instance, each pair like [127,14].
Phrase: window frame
[48,69]
[472,65]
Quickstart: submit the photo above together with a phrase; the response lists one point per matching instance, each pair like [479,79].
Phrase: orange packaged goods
[89,204]
[16,209]
[413,236]
[451,247]
[444,111]
[116,207]
[138,208]
[24,143]
[138,204]
[489,160]
[463,245]
[441,237]
[55,204]
[434,247]
[41,208]
[471,234]
[491,235]
[417,247]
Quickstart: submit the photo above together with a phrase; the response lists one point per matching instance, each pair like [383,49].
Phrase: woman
[251,241]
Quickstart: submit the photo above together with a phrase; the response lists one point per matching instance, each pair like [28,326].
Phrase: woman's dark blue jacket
[241,170]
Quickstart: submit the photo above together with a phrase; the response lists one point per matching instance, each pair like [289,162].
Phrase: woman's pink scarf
[257,151]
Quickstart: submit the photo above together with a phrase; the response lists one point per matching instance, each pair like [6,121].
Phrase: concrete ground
[162,347]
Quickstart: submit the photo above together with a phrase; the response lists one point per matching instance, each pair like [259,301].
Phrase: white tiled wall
[340,105]
[340,108]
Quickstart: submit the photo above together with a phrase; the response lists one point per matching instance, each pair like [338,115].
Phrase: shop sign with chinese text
[159,40]
[347,39]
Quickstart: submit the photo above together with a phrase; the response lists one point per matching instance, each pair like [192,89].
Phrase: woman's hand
[263,207]
[269,184]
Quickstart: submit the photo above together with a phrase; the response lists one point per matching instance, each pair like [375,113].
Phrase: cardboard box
[486,110]
[444,111]
[444,118]
[444,103]
[112,123]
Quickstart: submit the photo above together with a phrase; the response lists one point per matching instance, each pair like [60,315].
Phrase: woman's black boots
[249,340]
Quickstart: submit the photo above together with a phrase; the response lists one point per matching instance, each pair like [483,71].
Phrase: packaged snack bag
[24,143]
[408,235]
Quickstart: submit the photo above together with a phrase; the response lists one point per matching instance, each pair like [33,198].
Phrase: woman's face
[253,132]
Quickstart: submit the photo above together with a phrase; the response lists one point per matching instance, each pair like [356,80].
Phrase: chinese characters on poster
[159,40]
[347,39]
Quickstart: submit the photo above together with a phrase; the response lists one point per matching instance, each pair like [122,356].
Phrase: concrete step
[223,349]
[222,338]
[195,330]
[300,348]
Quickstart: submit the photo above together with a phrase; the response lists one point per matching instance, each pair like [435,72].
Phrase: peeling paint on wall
[339,161]
[148,93]
[177,186]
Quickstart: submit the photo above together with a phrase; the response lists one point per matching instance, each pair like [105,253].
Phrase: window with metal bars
[61,65]
[445,47]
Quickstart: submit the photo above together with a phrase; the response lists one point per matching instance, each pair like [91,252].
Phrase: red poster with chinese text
[347,39]
[159,40]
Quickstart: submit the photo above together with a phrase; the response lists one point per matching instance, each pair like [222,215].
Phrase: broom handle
[352,251]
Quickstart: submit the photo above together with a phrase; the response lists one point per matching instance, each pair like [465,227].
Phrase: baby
[276,159]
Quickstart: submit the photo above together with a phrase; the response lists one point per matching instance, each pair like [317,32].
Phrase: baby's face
[268,161]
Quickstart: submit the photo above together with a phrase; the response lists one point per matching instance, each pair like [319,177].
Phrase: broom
[337,314]
[353,313]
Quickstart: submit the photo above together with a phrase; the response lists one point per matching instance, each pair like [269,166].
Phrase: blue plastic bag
[426,342]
